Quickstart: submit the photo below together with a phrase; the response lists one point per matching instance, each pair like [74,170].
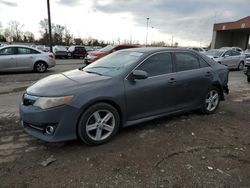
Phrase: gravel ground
[187,150]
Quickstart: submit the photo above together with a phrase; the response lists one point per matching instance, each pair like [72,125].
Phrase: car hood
[64,83]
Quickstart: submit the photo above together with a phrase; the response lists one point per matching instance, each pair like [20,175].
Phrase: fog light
[50,129]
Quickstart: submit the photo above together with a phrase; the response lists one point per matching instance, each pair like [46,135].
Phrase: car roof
[149,50]
[23,46]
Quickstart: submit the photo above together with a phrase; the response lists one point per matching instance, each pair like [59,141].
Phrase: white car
[23,58]
[231,58]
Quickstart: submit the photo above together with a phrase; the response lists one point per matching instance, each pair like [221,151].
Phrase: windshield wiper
[91,72]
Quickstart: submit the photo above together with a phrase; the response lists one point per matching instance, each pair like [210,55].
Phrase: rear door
[25,58]
[154,95]
[8,59]
[236,58]
[194,77]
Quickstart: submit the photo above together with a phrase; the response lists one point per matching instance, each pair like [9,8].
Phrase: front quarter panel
[110,91]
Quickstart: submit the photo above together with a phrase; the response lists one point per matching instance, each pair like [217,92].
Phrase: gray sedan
[231,58]
[23,58]
[122,89]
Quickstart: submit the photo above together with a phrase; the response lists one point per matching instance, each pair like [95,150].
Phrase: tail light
[51,55]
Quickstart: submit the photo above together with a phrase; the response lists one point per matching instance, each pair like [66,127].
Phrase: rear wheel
[98,124]
[211,101]
[40,67]
[241,65]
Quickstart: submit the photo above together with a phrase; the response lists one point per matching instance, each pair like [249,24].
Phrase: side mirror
[226,55]
[138,75]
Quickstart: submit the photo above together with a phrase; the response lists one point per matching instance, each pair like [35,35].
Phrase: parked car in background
[247,51]
[23,58]
[60,52]
[231,58]
[77,52]
[122,89]
[95,55]
[89,48]
[201,50]
[238,49]
[43,48]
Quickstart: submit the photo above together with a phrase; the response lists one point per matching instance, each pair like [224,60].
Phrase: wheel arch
[218,86]
[40,60]
[107,101]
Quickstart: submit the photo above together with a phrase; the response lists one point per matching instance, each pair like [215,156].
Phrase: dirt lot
[188,150]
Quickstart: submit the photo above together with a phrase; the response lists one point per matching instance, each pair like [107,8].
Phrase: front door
[8,59]
[154,95]
[25,58]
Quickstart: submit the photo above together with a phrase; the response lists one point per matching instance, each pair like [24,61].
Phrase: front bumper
[64,119]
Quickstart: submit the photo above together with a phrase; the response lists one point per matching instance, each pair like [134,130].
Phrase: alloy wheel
[40,67]
[212,100]
[100,125]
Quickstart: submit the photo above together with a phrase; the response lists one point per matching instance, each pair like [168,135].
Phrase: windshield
[214,53]
[107,48]
[113,64]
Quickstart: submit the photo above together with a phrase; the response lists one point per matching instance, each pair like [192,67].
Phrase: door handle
[208,73]
[172,80]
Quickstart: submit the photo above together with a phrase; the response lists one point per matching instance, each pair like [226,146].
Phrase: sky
[188,22]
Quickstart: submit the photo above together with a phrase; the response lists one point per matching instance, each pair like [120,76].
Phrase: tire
[248,79]
[40,67]
[240,66]
[211,101]
[98,124]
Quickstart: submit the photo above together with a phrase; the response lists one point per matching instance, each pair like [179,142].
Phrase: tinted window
[7,51]
[157,64]
[203,63]
[234,53]
[26,51]
[228,53]
[185,61]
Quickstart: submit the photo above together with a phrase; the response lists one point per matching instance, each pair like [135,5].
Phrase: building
[230,34]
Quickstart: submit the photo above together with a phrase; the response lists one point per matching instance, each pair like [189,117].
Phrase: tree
[68,38]
[29,37]
[7,35]
[2,38]
[44,30]
[58,34]
[78,41]
[15,30]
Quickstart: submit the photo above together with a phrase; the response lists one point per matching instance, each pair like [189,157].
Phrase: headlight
[91,57]
[49,102]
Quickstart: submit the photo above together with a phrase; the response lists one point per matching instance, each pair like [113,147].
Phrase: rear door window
[22,50]
[157,64]
[235,53]
[186,61]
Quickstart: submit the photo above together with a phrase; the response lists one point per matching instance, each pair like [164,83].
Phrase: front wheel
[211,101]
[98,124]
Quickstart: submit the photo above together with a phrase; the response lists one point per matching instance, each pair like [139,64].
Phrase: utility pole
[49,22]
[147,32]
